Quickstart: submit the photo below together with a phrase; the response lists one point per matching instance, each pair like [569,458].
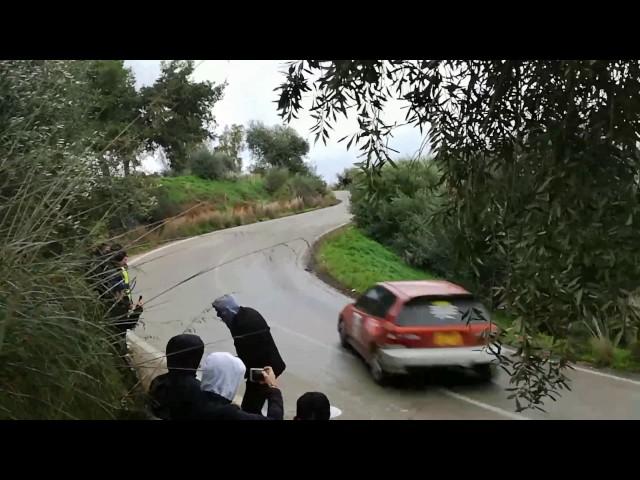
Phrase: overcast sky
[250,96]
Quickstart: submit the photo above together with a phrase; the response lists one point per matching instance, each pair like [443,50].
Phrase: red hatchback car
[399,327]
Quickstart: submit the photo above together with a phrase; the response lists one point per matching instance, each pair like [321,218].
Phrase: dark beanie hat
[313,406]
[184,353]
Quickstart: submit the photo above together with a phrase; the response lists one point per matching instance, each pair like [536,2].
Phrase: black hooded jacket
[176,395]
[255,345]
[220,408]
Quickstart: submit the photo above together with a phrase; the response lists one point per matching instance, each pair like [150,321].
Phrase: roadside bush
[275,178]
[55,350]
[211,165]
[127,202]
[602,350]
[375,214]
[304,186]
[345,179]
[406,214]
[401,214]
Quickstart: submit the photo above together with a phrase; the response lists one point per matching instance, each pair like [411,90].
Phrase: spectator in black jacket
[222,374]
[254,345]
[176,395]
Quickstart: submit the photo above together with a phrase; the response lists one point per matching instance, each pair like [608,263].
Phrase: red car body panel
[367,332]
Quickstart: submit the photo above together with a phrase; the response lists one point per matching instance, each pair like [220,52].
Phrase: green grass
[622,360]
[357,262]
[191,189]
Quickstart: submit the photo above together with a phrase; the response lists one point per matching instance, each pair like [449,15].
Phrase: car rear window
[427,311]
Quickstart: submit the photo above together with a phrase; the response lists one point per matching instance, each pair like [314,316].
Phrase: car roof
[423,288]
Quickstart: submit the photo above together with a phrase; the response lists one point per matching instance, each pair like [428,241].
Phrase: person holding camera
[254,345]
[222,374]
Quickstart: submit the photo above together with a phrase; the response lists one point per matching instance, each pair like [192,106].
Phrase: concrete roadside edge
[148,361]
[310,263]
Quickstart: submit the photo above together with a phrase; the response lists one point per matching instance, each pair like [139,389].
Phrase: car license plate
[447,339]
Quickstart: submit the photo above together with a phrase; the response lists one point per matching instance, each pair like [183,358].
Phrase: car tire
[485,371]
[377,372]
[344,341]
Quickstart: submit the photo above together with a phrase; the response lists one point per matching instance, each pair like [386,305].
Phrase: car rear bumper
[399,360]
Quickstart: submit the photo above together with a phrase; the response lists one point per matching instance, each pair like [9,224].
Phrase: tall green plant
[56,354]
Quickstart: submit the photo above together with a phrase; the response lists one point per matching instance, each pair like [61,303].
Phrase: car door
[368,315]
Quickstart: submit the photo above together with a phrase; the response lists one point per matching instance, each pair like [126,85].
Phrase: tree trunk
[125,165]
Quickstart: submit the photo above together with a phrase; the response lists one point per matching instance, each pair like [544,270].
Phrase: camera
[256,375]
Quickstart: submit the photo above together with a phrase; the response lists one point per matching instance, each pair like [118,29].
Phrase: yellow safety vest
[125,279]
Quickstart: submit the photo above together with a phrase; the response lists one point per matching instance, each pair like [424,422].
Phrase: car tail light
[399,340]
[393,341]
[409,336]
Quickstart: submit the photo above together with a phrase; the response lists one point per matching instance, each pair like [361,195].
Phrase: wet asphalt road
[302,312]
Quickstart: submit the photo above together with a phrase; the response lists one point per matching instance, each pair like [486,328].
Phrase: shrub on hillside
[211,165]
[345,179]
[127,201]
[304,186]
[405,214]
[275,178]
[376,214]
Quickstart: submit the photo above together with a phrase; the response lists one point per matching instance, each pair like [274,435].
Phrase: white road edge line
[486,406]
[592,372]
[136,259]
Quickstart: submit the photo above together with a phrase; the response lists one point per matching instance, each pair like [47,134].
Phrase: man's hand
[270,377]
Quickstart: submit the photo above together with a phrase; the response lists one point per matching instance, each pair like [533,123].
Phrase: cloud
[250,96]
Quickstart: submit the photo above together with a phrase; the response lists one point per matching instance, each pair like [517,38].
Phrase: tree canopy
[231,142]
[178,111]
[278,146]
[114,106]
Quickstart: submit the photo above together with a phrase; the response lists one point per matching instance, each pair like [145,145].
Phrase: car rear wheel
[344,342]
[377,372]
[485,371]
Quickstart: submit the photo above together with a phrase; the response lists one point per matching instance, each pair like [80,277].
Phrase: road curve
[263,265]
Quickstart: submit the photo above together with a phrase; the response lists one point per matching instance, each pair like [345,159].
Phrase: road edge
[314,267]
[148,361]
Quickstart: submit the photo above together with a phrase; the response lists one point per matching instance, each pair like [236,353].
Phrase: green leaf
[578,296]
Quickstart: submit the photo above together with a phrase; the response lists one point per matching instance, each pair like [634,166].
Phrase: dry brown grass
[208,217]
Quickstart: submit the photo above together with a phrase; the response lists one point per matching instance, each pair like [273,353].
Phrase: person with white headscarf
[222,374]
